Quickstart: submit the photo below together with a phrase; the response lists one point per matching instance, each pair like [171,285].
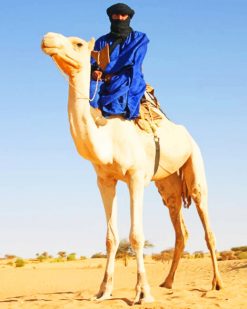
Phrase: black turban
[120,8]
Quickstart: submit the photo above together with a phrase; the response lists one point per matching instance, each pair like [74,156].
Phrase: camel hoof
[100,297]
[143,299]
[147,299]
[217,286]
[167,285]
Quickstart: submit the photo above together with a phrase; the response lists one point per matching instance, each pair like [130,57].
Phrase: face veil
[120,28]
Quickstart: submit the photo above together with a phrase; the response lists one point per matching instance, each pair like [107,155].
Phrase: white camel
[120,150]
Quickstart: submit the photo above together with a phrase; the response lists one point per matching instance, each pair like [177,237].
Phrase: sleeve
[137,85]
[139,57]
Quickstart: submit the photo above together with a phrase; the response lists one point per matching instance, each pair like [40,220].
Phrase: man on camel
[117,84]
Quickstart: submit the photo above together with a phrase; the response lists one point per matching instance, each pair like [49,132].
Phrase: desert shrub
[156,257]
[82,257]
[43,256]
[199,254]
[163,256]
[40,258]
[10,263]
[242,255]
[186,255]
[62,254]
[71,257]
[227,255]
[9,256]
[148,244]
[167,254]
[242,249]
[19,262]
[57,260]
[124,249]
[98,255]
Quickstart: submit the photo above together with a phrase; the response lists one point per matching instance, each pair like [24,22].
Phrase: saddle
[150,113]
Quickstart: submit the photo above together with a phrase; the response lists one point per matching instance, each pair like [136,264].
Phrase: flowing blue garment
[122,95]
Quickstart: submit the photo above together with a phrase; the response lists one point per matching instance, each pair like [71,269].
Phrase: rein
[66,77]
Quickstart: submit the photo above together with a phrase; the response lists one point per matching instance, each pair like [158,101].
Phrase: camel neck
[79,96]
[79,84]
[86,135]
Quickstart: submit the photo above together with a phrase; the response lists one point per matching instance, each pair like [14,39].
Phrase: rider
[118,88]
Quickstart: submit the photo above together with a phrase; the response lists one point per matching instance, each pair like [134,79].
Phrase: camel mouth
[49,49]
[51,43]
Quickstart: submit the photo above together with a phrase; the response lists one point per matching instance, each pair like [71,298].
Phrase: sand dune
[71,284]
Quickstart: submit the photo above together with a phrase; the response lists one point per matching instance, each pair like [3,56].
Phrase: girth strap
[157,153]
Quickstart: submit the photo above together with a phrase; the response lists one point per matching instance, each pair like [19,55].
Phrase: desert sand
[71,284]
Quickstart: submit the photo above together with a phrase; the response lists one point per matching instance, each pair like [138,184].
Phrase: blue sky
[197,63]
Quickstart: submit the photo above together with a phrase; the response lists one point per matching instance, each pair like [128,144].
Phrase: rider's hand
[96,75]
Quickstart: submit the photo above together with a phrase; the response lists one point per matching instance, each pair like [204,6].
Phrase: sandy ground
[71,284]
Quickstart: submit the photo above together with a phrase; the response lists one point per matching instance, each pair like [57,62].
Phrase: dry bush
[240,249]
[227,255]
[186,255]
[98,255]
[199,254]
[242,255]
[163,256]
[19,262]
[57,260]
[10,256]
[71,257]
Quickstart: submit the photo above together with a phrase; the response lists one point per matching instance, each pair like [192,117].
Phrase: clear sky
[197,62]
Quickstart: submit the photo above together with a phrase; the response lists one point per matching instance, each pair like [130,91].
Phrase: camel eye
[79,44]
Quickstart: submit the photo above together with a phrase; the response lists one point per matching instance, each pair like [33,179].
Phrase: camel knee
[182,234]
[180,242]
[136,240]
[199,194]
[181,238]
[111,244]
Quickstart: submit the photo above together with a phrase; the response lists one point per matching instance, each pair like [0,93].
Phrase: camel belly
[175,149]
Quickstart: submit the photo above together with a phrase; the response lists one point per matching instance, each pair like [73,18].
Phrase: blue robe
[122,95]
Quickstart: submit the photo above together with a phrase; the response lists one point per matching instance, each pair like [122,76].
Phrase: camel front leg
[107,187]
[136,188]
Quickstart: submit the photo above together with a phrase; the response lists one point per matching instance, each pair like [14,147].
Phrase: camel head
[71,54]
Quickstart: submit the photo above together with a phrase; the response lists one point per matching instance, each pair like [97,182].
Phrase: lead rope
[66,77]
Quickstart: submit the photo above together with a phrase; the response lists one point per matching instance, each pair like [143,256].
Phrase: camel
[121,151]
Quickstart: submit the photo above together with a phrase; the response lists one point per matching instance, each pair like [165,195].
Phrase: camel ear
[91,44]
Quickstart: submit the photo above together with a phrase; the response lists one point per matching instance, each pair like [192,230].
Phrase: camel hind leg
[194,176]
[170,189]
